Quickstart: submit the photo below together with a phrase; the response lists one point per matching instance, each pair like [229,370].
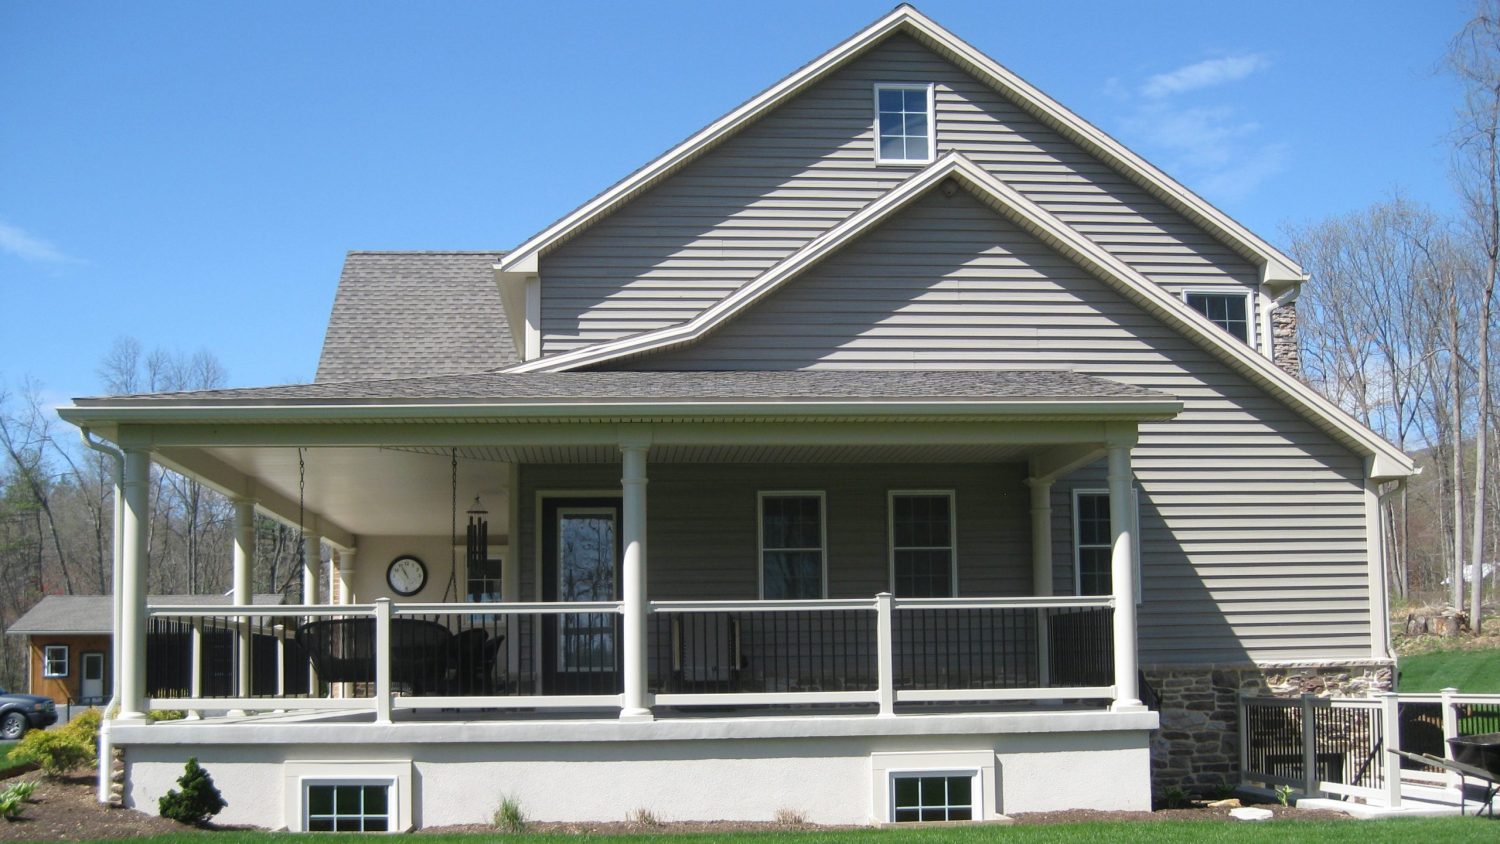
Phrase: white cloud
[1203,74]
[27,247]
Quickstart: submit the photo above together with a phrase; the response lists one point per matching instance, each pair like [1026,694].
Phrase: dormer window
[903,124]
[1229,311]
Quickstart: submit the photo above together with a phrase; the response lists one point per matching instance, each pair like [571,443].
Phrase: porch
[967,617]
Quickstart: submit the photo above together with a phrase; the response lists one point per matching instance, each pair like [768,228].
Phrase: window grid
[922,540]
[55,661]
[932,797]
[1094,542]
[484,581]
[1229,311]
[903,120]
[791,545]
[348,807]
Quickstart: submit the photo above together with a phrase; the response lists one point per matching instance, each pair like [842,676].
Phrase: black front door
[581,562]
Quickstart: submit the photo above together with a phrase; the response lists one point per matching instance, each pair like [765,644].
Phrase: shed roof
[86,614]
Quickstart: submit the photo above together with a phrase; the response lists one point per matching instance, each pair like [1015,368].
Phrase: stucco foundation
[831,776]
[1197,747]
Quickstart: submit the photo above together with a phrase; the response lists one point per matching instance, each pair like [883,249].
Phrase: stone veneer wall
[1197,748]
[1285,351]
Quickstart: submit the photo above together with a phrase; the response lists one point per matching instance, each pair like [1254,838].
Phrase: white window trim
[931,121]
[976,783]
[47,661]
[396,772]
[760,534]
[1252,330]
[1135,516]
[392,812]
[890,532]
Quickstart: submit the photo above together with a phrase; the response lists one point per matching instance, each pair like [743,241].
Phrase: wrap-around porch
[579,620]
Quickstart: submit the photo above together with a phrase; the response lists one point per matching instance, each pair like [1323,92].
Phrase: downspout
[106,754]
[1380,505]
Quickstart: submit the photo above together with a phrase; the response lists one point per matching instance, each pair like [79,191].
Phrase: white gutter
[106,755]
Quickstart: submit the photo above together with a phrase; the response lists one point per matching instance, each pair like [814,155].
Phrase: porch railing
[876,652]
[1339,746]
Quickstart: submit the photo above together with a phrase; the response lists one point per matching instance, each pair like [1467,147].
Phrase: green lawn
[1166,832]
[1467,671]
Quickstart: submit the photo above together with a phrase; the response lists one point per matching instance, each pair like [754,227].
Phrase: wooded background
[1395,325]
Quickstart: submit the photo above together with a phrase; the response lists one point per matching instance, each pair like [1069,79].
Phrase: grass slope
[1187,832]
[1466,670]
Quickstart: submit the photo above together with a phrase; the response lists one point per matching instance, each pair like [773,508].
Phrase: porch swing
[424,654]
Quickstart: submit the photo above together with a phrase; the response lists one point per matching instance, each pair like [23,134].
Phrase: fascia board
[1093,408]
[1277,268]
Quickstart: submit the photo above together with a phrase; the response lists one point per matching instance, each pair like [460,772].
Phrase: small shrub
[56,752]
[1223,791]
[508,817]
[643,817]
[198,800]
[13,799]
[1174,798]
[1284,795]
[791,817]
[165,715]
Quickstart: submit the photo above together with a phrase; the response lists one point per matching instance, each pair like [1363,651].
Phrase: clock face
[406,575]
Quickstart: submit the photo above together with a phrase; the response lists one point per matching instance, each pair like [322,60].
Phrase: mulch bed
[65,810]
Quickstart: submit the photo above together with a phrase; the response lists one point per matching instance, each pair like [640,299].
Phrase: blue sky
[191,174]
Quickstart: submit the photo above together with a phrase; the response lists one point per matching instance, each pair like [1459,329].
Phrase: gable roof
[1276,267]
[1388,461]
[400,314]
[93,614]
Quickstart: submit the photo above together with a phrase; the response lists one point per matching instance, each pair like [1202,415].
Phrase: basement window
[348,807]
[1229,311]
[903,124]
[932,796]
[55,661]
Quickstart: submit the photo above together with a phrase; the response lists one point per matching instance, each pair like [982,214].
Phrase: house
[69,643]
[974,478]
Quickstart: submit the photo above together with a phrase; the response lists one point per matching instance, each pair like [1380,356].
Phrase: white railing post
[280,631]
[195,671]
[1450,731]
[1390,725]
[382,660]
[885,649]
[1310,776]
[1244,714]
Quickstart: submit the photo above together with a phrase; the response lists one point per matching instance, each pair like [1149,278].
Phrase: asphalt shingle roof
[84,614]
[402,314]
[669,386]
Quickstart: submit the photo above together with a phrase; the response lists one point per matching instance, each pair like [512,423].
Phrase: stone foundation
[1197,747]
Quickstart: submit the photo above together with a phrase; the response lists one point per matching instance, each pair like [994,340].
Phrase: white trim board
[1277,269]
[1386,460]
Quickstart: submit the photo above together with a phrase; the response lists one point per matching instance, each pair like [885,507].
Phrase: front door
[93,678]
[581,562]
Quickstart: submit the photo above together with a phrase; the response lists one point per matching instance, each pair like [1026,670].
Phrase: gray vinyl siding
[701,523]
[1252,519]
[761,195]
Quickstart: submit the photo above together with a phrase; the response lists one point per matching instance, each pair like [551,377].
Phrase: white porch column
[132,632]
[346,575]
[1122,573]
[244,567]
[633,591]
[1041,536]
[312,568]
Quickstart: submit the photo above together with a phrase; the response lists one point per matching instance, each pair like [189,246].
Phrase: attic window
[1229,311]
[903,124]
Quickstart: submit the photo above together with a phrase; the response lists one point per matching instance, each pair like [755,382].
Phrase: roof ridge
[427,252]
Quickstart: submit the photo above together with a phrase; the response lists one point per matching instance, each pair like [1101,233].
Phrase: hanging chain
[453,534]
[301,510]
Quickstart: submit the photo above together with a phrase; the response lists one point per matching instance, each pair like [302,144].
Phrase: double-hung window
[792,546]
[1093,542]
[1229,311]
[55,661]
[903,124]
[922,544]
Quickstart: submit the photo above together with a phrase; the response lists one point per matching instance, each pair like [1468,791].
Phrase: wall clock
[406,575]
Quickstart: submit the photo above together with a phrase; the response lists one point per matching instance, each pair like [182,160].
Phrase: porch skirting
[1197,747]
[831,769]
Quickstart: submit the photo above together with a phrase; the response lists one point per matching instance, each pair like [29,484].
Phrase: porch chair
[706,651]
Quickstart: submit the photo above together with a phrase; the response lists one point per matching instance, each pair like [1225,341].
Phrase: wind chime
[477,541]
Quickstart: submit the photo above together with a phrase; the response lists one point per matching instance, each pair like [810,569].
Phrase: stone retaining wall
[1197,747]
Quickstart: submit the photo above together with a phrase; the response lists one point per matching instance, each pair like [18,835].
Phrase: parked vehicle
[19,713]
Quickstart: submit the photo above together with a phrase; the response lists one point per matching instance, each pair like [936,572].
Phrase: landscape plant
[198,800]
[13,799]
[508,817]
[63,750]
